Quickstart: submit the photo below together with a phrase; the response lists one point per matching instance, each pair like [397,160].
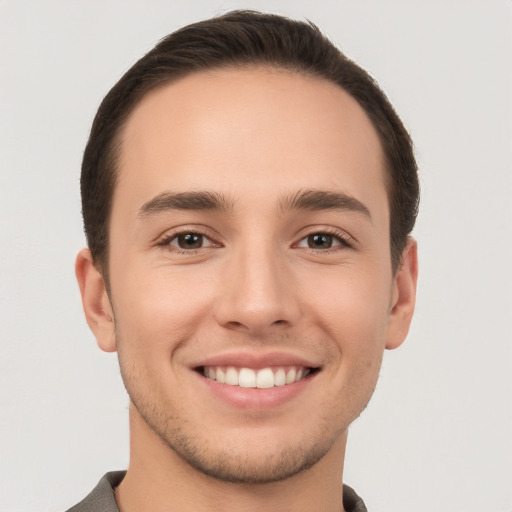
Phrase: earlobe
[95,301]
[404,296]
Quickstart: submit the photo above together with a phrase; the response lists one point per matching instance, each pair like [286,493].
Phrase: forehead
[232,130]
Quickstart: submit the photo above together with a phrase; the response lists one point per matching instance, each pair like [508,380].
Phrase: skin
[257,137]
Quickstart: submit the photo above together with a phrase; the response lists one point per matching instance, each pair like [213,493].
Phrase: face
[251,286]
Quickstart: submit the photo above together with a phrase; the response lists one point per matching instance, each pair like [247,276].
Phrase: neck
[159,480]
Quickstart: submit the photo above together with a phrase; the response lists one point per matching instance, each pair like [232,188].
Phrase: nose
[257,294]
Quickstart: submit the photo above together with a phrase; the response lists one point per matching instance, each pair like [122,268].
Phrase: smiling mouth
[263,378]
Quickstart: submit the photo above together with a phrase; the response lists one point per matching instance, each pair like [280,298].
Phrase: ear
[96,303]
[403,296]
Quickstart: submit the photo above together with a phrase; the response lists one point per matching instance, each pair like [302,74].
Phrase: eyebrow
[211,201]
[311,200]
[317,200]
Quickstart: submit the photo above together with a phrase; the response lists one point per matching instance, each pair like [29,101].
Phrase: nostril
[235,325]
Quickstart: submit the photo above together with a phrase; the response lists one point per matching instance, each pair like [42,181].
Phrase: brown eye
[320,241]
[189,241]
[323,241]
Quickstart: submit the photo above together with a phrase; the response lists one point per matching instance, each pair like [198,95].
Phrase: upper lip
[256,360]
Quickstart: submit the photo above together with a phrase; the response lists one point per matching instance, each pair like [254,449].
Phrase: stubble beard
[229,463]
[236,464]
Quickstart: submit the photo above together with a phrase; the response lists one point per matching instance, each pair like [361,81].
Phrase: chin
[257,464]
[255,455]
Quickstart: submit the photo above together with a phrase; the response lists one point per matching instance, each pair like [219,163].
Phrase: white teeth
[280,378]
[265,379]
[249,378]
[219,376]
[231,376]
[290,376]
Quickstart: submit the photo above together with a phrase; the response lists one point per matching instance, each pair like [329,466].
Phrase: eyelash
[344,241]
[166,241]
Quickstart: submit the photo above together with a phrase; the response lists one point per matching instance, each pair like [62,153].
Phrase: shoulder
[352,502]
[101,498]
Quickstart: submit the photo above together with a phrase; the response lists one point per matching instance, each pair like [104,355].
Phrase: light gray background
[437,435]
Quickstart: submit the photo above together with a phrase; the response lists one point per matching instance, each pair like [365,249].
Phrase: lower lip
[255,398]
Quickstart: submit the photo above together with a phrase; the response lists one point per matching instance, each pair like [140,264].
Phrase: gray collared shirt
[101,498]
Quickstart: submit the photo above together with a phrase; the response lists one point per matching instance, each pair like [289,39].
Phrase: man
[248,196]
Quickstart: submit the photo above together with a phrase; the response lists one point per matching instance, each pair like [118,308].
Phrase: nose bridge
[257,291]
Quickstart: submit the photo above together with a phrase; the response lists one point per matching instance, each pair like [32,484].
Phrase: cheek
[352,313]
[353,308]
[160,307]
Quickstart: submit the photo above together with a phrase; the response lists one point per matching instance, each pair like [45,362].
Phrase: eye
[322,241]
[187,241]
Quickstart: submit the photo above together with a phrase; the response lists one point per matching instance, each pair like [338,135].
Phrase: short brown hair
[238,39]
